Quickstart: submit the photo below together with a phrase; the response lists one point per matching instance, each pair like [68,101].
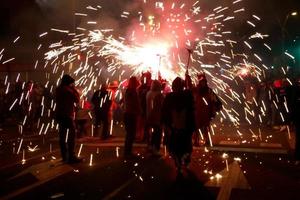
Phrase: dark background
[29,18]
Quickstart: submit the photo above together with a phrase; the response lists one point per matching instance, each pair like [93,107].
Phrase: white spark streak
[80,148]
[59,30]
[289,55]
[7,61]
[20,145]
[43,34]
[91,160]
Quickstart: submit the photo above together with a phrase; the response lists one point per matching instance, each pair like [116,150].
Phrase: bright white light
[294,13]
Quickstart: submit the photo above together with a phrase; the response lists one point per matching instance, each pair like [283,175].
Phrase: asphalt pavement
[32,169]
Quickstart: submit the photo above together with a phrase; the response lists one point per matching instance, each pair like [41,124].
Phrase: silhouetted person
[132,111]
[206,106]
[114,107]
[66,99]
[2,105]
[279,103]
[102,103]
[178,120]
[83,117]
[35,101]
[264,102]
[143,89]
[295,112]
[154,101]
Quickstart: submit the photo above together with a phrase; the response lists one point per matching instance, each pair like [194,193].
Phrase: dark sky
[29,18]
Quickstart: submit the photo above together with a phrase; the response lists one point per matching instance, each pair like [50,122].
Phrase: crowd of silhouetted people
[152,111]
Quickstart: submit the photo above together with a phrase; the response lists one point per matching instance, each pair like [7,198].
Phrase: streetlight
[283,29]
[294,13]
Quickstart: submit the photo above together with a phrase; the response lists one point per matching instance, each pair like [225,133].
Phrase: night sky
[29,18]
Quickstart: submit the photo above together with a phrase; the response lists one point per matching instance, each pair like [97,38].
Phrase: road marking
[44,172]
[112,144]
[250,150]
[28,159]
[29,138]
[229,142]
[272,145]
[214,148]
[119,189]
[262,144]
[233,178]
[123,186]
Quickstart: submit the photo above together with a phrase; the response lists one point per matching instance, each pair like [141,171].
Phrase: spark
[16,39]
[91,8]
[237,159]
[288,131]
[59,30]
[67,135]
[41,129]
[267,46]
[43,34]
[32,149]
[251,23]
[218,176]
[81,14]
[237,1]
[7,61]
[10,108]
[91,22]
[91,160]
[23,157]
[141,178]
[256,17]
[240,10]
[210,140]
[20,145]
[289,55]
[117,152]
[80,148]
[248,44]
[111,126]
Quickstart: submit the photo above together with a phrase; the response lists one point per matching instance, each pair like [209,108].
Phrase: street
[219,172]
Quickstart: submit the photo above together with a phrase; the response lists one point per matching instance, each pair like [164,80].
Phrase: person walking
[143,131]
[206,106]
[132,111]
[154,102]
[66,99]
[102,103]
[179,121]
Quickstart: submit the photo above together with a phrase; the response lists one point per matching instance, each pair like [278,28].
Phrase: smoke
[32,17]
